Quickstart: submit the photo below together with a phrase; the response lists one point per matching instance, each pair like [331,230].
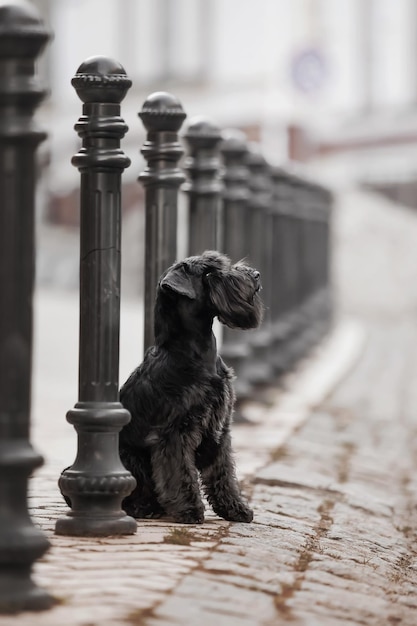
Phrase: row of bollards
[237,202]
[245,217]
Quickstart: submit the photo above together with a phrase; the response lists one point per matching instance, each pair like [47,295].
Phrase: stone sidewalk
[135,579]
[333,541]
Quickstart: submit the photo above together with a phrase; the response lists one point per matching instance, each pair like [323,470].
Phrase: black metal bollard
[204,186]
[327,200]
[162,115]
[288,335]
[258,370]
[308,256]
[294,344]
[314,302]
[22,38]
[321,203]
[97,482]
[235,347]
[312,299]
[283,274]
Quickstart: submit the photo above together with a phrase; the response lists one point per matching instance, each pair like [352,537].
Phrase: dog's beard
[235,298]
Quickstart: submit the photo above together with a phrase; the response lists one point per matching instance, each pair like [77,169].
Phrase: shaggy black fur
[181,396]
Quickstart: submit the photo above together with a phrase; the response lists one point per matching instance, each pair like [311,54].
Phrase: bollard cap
[162,111]
[202,132]
[101,79]
[22,31]
[254,158]
[234,141]
[280,173]
[203,163]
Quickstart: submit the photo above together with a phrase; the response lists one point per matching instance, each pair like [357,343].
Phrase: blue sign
[308,70]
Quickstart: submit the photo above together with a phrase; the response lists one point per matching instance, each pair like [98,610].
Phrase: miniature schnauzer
[181,397]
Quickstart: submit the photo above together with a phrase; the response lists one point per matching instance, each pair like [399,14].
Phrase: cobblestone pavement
[334,537]
[333,542]
[134,579]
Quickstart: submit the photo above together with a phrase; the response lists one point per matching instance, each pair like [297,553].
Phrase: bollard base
[19,593]
[84,526]
[97,483]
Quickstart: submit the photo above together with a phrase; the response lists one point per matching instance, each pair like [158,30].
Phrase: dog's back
[167,391]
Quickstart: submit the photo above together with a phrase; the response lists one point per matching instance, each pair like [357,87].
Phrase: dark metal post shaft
[326,244]
[307,260]
[204,186]
[97,482]
[235,348]
[289,229]
[313,298]
[22,38]
[162,115]
[259,369]
[282,272]
[322,203]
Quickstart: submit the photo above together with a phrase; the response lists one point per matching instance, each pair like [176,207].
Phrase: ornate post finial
[162,112]
[97,482]
[100,79]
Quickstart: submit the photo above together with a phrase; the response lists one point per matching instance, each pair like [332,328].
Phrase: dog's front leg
[220,481]
[176,479]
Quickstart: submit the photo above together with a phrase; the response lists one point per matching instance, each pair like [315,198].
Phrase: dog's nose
[257,278]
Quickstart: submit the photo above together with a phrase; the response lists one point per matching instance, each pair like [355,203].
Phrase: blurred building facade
[309,79]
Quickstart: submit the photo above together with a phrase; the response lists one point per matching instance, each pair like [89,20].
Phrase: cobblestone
[333,541]
[216,571]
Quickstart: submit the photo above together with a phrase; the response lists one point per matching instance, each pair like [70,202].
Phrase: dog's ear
[180,282]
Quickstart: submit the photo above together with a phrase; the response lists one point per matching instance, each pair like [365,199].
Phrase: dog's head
[209,285]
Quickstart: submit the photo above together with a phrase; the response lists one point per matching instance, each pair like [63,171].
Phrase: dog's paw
[191,516]
[239,513]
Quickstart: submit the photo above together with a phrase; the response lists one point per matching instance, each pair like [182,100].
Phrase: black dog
[181,397]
